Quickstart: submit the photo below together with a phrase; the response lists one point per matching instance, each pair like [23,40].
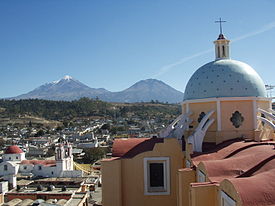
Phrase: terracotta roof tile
[128,148]
[13,149]
[256,190]
[48,163]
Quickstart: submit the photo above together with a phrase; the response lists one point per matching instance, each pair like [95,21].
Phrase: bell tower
[221,44]
[63,156]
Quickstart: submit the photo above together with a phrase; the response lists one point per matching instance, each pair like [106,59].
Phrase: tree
[2,143]
[93,154]
[59,128]
[51,151]
[39,133]
[105,126]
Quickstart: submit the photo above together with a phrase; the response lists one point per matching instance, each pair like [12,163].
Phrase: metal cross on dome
[220,22]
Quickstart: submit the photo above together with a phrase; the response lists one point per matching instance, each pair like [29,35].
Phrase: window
[156,176]
[237,119]
[223,51]
[39,167]
[9,158]
[202,114]
[5,167]
[226,200]
[219,56]
[17,157]
[188,164]
[201,176]
[25,167]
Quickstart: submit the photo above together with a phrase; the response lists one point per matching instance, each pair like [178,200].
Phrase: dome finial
[220,22]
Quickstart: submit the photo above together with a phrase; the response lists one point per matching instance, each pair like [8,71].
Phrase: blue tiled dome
[224,78]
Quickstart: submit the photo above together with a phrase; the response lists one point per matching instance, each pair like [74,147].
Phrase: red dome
[13,149]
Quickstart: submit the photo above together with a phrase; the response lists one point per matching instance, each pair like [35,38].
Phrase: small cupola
[221,44]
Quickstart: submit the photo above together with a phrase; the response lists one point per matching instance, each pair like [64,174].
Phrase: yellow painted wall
[204,195]
[1,198]
[131,192]
[265,132]
[202,168]
[244,107]
[230,190]
[226,135]
[185,178]
[205,107]
[111,183]
[183,108]
[133,188]
[264,104]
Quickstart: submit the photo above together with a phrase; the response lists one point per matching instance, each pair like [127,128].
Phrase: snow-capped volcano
[69,88]
[66,88]
[65,78]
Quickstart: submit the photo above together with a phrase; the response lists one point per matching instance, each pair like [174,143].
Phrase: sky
[112,44]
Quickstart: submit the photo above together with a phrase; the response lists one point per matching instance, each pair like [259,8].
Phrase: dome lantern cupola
[221,44]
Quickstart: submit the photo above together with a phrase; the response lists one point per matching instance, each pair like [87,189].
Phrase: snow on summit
[66,77]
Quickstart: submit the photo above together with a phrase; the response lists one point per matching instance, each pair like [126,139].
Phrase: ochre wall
[197,108]
[204,194]
[131,192]
[202,168]
[264,104]
[183,108]
[246,110]
[264,131]
[228,131]
[230,190]
[1,198]
[185,178]
[133,177]
[111,183]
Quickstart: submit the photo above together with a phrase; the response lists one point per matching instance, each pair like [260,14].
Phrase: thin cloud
[265,28]
[168,67]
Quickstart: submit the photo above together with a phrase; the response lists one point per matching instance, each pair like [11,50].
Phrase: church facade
[14,162]
[225,138]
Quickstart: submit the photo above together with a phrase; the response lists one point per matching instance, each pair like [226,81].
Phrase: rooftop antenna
[220,21]
[270,89]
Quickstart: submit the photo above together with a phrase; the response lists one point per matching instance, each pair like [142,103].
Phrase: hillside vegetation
[85,107]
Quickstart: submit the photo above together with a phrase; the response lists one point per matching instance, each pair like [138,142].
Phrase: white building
[14,162]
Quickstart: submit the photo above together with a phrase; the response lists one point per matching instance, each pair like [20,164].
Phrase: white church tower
[63,156]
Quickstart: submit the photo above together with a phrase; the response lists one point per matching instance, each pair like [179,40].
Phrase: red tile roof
[13,149]
[128,148]
[239,163]
[48,163]
[233,158]
[256,190]
[249,166]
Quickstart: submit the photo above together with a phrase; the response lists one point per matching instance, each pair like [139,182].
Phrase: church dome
[224,78]
[13,149]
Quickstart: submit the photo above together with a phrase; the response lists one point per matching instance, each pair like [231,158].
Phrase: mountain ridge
[69,89]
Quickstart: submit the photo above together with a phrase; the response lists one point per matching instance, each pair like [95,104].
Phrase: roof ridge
[246,147]
[256,167]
